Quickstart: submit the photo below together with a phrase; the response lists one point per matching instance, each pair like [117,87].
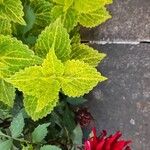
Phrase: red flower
[106,143]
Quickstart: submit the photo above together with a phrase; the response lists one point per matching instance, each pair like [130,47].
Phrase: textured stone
[123,101]
[130,22]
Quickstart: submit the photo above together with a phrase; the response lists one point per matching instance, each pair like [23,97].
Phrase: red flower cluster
[106,143]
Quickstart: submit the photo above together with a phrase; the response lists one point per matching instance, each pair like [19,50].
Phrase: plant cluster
[45,70]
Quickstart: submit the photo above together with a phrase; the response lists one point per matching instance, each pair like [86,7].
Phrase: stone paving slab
[123,102]
[130,22]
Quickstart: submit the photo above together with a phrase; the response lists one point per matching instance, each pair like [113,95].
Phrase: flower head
[83,117]
[106,143]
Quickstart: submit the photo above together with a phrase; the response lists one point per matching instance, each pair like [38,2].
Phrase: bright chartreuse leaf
[32,81]
[87,13]
[79,78]
[40,133]
[65,3]
[69,18]
[6,145]
[52,66]
[94,18]
[15,56]
[30,103]
[86,6]
[12,10]
[17,125]
[54,37]
[7,93]
[87,54]
[5,27]
[41,83]
[49,147]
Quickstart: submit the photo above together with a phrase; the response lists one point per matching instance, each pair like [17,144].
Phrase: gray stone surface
[123,102]
[130,22]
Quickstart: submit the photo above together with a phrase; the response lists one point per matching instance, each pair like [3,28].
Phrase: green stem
[20,140]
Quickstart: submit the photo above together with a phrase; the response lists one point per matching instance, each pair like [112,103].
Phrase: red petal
[111,140]
[100,145]
[120,145]
[87,145]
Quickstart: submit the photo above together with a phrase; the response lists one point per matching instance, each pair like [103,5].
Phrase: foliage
[45,70]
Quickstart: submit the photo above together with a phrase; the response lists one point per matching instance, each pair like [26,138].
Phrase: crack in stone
[115,42]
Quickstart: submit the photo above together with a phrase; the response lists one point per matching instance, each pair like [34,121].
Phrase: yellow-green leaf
[87,54]
[15,56]
[5,27]
[79,78]
[86,6]
[41,83]
[66,3]
[63,2]
[32,81]
[52,66]
[12,10]
[30,103]
[69,18]
[94,18]
[54,37]
[7,93]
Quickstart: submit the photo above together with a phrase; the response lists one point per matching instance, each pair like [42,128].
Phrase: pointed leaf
[34,80]
[79,78]
[54,37]
[17,125]
[6,145]
[50,147]
[69,19]
[86,6]
[12,10]
[40,132]
[30,103]
[15,56]
[87,54]
[52,66]
[94,18]
[7,93]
